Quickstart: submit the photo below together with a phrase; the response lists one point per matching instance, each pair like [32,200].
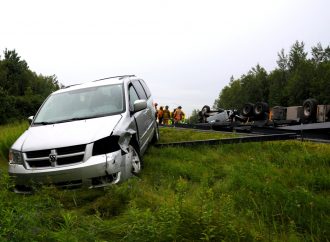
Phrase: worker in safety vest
[156,110]
[166,115]
[160,115]
[178,115]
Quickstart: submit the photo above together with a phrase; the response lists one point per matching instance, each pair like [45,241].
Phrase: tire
[206,109]
[260,108]
[247,110]
[201,118]
[310,109]
[155,137]
[137,162]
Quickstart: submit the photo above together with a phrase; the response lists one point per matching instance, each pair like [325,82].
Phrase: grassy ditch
[178,134]
[270,191]
[8,134]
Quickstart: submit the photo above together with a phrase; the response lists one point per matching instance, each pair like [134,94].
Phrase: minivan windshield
[82,104]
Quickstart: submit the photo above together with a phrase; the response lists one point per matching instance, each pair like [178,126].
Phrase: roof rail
[120,77]
[70,86]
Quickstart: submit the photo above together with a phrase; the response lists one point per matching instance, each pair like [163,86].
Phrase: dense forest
[296,78]
[22,91]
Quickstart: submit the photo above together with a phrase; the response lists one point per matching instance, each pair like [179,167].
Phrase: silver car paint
[86,132]
[66,134]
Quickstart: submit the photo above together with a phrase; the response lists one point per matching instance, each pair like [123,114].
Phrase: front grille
[39,163]
[38,153]
[64,156]
[69,160]
[71,149]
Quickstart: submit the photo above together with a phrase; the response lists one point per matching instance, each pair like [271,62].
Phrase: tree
[229,96]
[296,79]
[21,90]
[193,119]
[254,85]
[278,80]
[299,83]
[282,62]
[297,55]
[318,54]
[16,73]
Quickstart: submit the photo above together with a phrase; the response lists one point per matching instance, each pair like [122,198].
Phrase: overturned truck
[260,115]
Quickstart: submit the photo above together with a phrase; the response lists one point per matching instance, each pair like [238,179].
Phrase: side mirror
[140,105]
[30,119]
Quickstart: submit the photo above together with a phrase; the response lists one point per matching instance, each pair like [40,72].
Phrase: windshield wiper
[70,119]
[43,123]
[74,119]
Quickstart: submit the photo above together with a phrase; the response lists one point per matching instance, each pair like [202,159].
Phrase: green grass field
[269,191]
[178,134]
[8,135]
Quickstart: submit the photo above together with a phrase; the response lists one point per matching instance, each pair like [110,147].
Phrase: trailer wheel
[261,108]
[201,117]
[310,107]
[247,110]
[206,109]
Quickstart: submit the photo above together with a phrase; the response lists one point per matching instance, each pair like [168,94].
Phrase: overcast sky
[185,50]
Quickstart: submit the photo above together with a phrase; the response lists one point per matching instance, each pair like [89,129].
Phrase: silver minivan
[90,134]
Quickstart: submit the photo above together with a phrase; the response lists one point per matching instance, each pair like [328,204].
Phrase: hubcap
[157,134]
[307,110]
[136,163]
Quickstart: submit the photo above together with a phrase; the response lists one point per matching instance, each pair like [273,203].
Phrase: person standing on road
[166,115]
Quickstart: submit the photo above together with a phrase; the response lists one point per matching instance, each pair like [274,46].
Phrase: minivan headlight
[106,145]
[15,157]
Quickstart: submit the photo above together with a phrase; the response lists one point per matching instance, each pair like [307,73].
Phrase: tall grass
[8,134]
[178,134]
[270,191]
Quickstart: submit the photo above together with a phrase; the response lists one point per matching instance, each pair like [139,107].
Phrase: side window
[145,87]
[137,85]
[133,96]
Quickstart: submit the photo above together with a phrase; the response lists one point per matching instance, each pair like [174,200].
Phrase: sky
[185,50]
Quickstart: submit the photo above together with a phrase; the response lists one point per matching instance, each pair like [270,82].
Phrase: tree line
[297,77]
[22,91]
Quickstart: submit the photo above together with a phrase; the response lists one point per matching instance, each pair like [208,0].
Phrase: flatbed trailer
[318,132]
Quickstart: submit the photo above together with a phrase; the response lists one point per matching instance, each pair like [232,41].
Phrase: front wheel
[137,162]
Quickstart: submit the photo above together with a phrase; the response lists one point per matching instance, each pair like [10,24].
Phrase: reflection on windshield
[82,104]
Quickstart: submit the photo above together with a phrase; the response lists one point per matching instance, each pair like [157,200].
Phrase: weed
[268,191]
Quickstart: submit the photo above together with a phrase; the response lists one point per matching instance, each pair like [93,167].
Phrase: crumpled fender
[125,137]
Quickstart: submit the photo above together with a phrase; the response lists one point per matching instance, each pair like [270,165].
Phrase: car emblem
[53,157]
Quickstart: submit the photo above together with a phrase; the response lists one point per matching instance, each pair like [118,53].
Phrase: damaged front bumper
[97,171]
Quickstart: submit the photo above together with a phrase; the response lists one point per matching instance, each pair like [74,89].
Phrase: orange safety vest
[166,114]
[160,113]
[178,115]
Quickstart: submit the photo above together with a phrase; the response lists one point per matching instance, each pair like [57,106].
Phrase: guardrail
[257,138]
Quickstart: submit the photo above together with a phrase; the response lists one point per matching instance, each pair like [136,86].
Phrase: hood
[66,134]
